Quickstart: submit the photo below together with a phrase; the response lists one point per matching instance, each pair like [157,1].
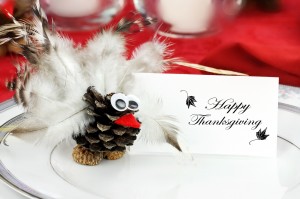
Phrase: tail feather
[170,130]
[157,126]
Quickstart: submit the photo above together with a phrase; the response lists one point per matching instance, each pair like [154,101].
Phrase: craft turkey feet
[113,155]
[85,156]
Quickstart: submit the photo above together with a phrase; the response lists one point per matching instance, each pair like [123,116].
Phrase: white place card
[232,115]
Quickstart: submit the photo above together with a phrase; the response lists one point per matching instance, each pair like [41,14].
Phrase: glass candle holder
[186,18]
[81,14]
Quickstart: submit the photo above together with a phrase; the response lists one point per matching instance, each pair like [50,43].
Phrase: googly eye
[133,103]
[119,101]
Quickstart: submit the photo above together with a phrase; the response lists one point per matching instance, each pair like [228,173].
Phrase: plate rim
[20,187]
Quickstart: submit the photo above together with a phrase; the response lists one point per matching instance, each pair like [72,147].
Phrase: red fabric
[257,43]
[262,44]
[7,72]
[7,7]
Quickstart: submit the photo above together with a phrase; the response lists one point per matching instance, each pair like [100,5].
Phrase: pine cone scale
[87,98]
[92,138]
[109,145]
[92,113]
[119,131]
[99,105]
[81,140]
[106,138]
[96,147]
[91,129]
[92,91]
[103,127]
[112,118]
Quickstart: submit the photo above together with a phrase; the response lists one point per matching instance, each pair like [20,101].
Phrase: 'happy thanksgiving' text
[231,107]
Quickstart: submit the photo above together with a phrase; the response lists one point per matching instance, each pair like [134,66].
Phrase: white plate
[40,172]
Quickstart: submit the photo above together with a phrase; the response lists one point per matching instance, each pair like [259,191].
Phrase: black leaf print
[190,100]
[261,135]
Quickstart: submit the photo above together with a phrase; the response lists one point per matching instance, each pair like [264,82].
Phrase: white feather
[157,126]
[55,92]
[148,58]
[105,61]
[64,129]
[65,72]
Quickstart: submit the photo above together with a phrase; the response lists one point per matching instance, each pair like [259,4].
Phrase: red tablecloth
[256,43]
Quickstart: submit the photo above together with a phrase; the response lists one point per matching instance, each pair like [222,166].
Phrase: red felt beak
[7,7]
[128,120]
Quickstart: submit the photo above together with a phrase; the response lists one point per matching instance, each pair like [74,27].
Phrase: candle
[73,8]
[80,15]
[187,16]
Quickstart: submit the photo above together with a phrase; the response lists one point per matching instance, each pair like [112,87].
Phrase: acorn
[84,156]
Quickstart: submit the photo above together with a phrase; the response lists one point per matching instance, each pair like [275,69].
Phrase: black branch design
[261,135]
[190,100]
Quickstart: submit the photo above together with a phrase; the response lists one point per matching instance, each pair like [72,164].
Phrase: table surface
[288,95]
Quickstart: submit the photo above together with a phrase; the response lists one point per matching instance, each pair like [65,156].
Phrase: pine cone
[109,131]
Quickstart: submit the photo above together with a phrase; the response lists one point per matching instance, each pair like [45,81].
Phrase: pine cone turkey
[114,126]
[103,123]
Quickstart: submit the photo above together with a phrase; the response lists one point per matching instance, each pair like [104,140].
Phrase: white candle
[186,16]
[74,8]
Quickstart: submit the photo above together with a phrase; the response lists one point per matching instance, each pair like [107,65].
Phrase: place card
[229,115]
